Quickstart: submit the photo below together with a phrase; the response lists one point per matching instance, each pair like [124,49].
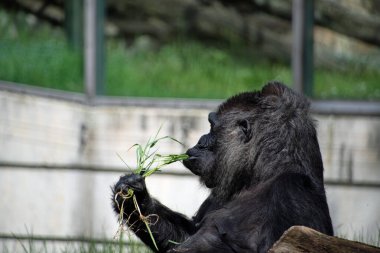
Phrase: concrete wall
[47,145]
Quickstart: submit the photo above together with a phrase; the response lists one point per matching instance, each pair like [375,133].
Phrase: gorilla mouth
[190,163]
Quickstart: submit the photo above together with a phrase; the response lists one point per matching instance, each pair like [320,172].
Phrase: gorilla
[262,164]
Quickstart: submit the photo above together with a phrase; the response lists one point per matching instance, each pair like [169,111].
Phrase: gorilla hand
[122,196]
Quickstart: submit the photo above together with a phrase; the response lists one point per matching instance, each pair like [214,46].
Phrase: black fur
[262,162]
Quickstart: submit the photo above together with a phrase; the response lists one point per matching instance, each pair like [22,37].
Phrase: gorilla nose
[191,152]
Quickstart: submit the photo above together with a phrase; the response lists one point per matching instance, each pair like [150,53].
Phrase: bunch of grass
[148,162]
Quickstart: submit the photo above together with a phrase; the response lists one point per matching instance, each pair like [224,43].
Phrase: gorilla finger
[120,186]
[136,182]
[133,181]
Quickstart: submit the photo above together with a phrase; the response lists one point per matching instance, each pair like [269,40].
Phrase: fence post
[302,52]
[74,23]
[94,47]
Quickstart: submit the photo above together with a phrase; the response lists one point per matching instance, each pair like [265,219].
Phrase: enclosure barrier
[87,134]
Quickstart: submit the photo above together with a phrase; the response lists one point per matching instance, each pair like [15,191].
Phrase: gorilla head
[253,137]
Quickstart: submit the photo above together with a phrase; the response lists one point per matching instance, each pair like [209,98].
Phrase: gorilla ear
[245,127]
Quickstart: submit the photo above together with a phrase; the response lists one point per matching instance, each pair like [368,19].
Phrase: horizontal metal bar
[42,92]
[361,108]
[359,184]
[46,238]
[182,103]
[80,167]
[209,104]
[97,169]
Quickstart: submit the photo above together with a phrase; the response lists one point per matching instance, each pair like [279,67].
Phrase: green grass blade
[149,162]
[145,222]
[174,242]
[151,234]
[123,161]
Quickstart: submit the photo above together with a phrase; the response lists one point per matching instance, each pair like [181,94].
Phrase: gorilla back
[262,163]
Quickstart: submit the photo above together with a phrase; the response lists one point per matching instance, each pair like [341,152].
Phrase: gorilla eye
[206,141]
[243,124]
[245,127]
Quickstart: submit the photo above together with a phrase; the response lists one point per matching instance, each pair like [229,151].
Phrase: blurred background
[81,81]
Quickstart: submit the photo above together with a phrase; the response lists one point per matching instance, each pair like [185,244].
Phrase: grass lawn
[183,69]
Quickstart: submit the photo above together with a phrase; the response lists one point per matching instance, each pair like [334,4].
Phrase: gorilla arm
[165,224]
[256,218]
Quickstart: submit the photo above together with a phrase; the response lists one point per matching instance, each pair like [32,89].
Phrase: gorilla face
[201,159]
[207,157]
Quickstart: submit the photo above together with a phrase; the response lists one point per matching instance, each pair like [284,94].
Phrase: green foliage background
[184,68]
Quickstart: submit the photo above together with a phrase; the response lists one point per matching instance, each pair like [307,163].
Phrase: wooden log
[300,239]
